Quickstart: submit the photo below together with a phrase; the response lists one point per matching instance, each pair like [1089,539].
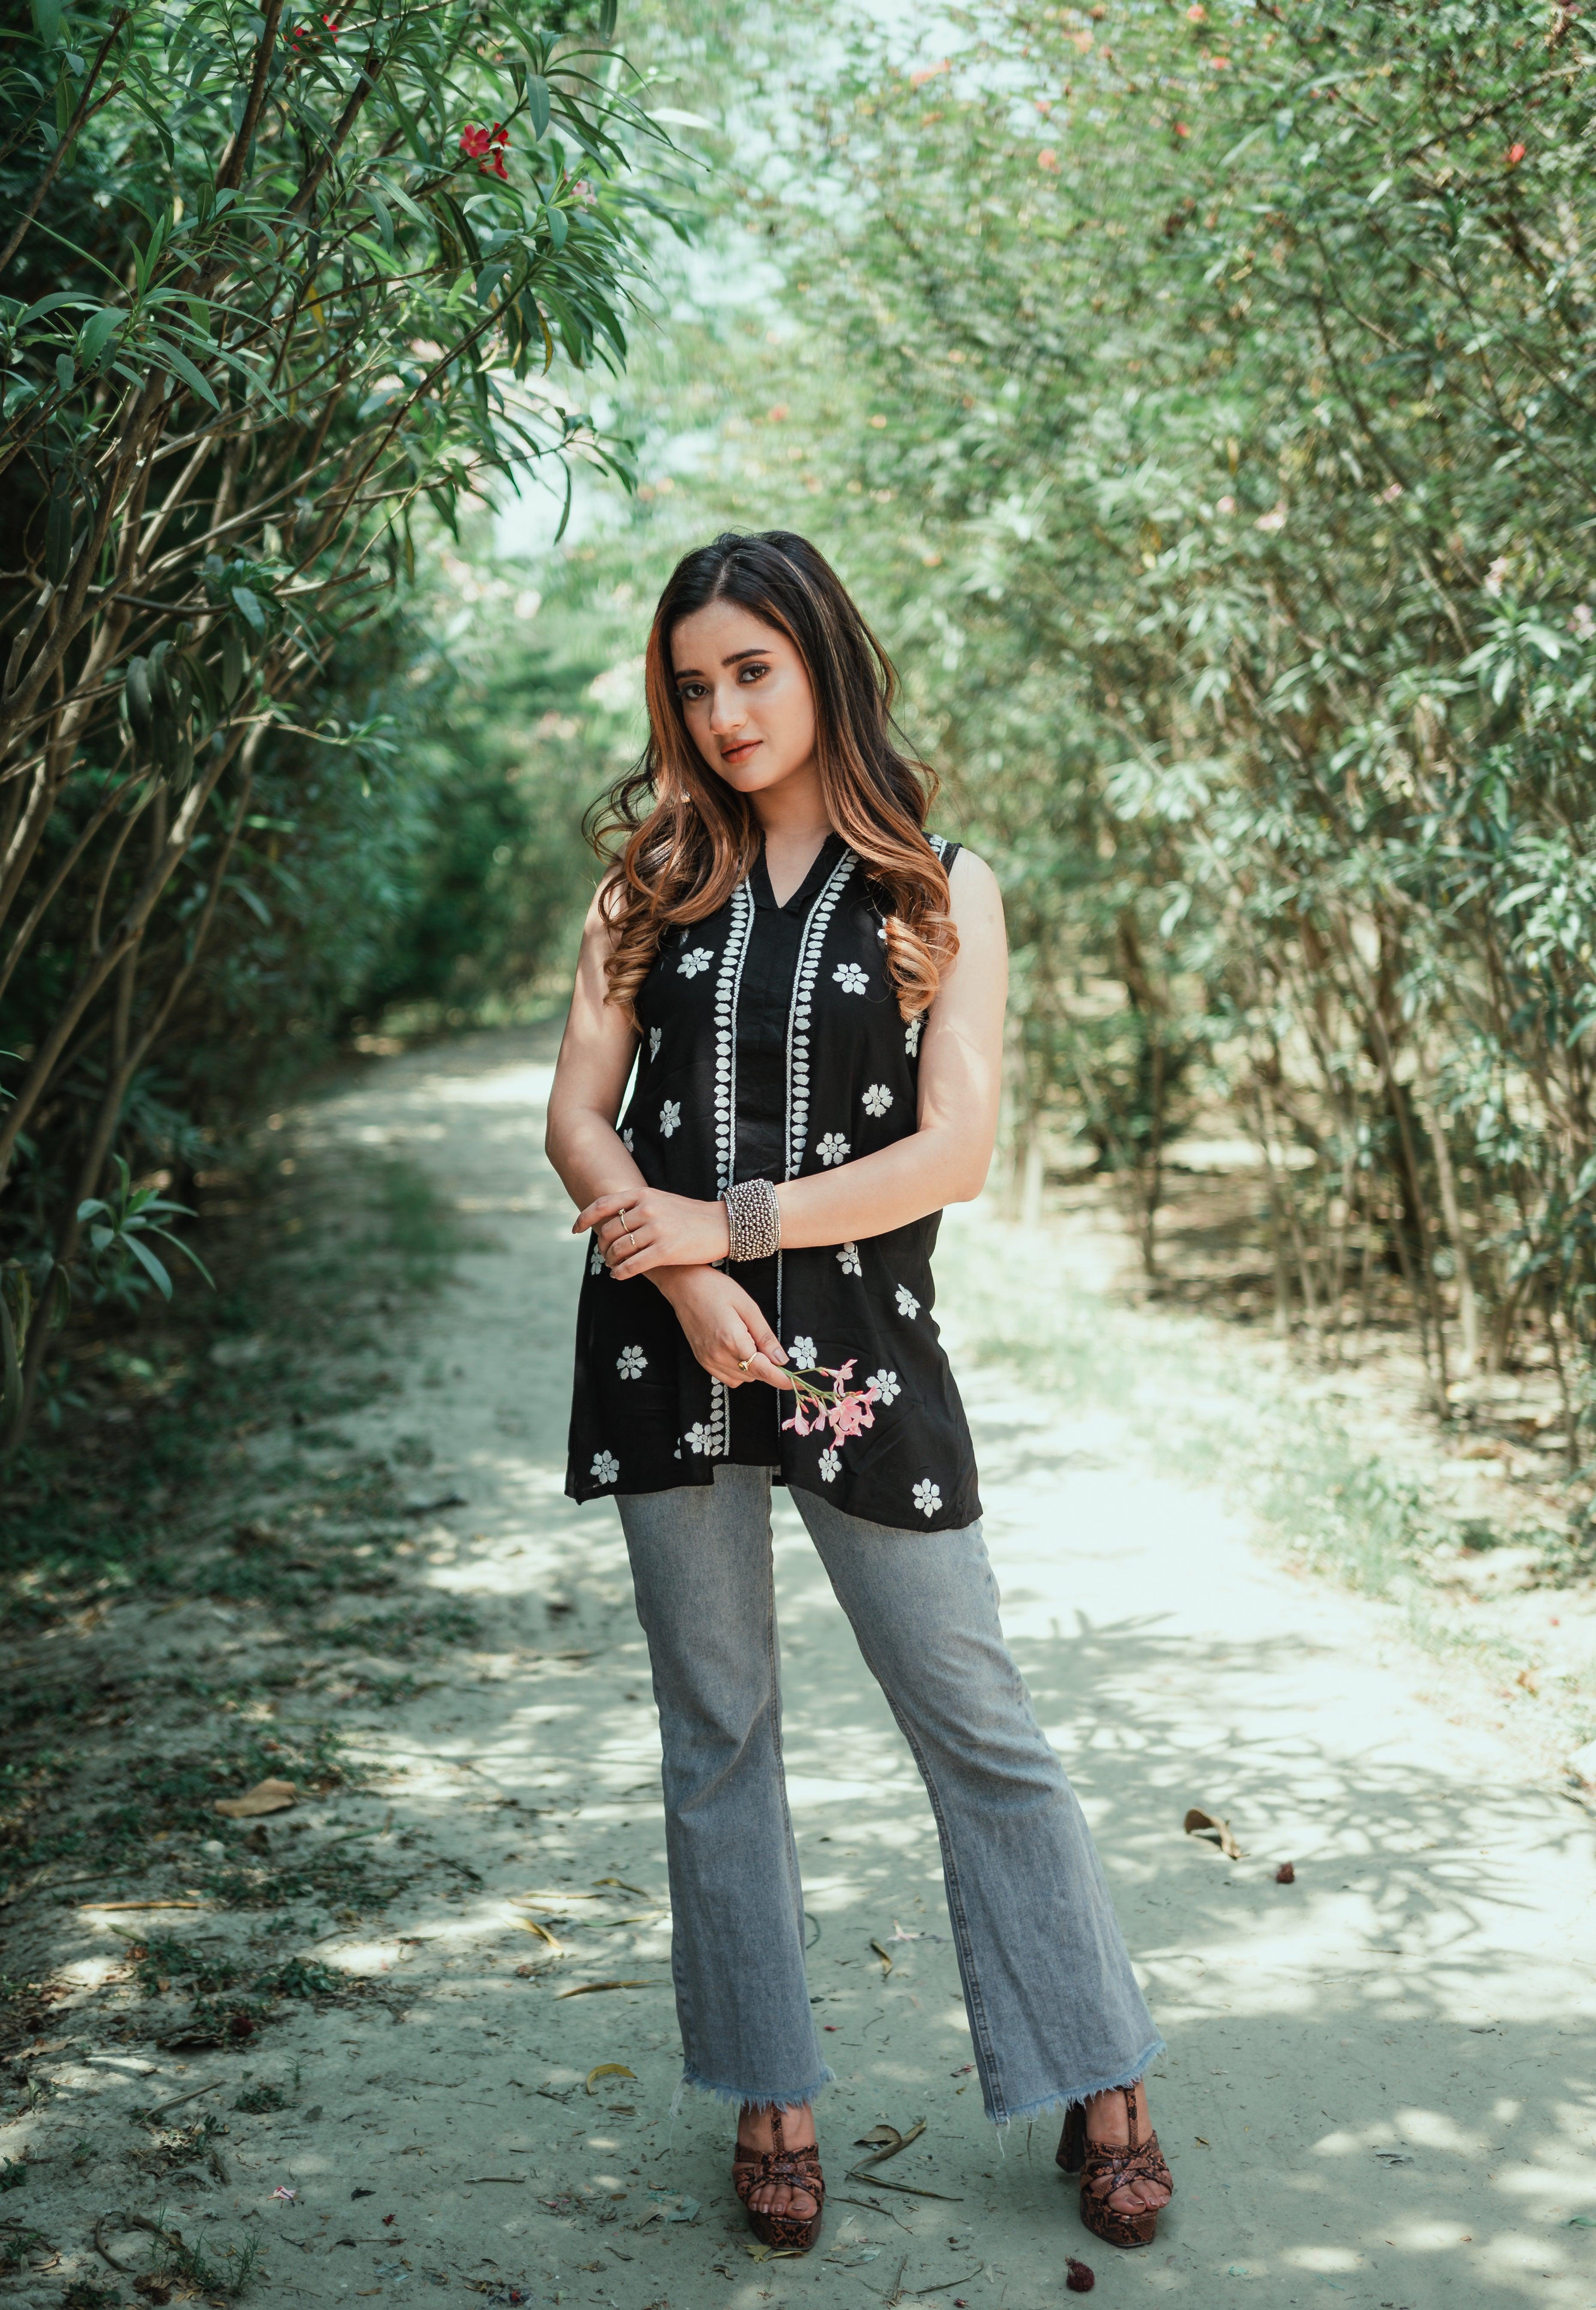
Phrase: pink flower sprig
[848,1411]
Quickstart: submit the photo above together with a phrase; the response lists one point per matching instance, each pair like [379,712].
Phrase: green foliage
[276,301]
[1198,398]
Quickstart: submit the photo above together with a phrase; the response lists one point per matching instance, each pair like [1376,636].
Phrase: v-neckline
[825,859]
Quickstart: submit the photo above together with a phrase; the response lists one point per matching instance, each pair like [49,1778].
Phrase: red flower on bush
[305,38]
[486,147]
[1515,153]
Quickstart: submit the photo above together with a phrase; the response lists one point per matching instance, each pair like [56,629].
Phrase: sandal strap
[1110,2165]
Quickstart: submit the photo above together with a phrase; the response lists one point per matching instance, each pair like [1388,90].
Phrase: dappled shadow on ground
[1379,2080]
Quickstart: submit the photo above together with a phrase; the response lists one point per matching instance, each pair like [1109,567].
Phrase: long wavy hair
[678,839]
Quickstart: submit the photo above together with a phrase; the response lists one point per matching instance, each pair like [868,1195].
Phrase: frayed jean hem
[757,2097]
[1068,2096]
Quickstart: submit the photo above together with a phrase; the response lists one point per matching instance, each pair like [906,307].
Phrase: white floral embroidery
[606,1467]
[698,1439]
[911,1034]
[833,1148]
[626,1139]
[670,1118]
[596,1260]
[698,959]
[802,1352]
[881,932]
[831,1463]
[928,1500]
[851,978]
[847,1259]
[907,1304]
[886,1385]
[631,1363]
[656,1036]
[878,1099]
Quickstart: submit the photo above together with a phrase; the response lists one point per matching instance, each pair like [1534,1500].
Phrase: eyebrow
[692,673]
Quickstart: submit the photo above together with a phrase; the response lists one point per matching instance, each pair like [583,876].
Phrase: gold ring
[631,1236]
[622,1215]
[744,1362]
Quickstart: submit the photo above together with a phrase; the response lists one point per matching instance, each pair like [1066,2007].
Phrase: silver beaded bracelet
[753,1219]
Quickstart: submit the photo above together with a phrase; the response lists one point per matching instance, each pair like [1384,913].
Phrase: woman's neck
[793,816]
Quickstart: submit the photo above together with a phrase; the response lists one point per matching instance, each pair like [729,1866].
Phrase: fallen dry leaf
[589,1988]
[885,1957]
[611,2069]
[265,1796]
[533,1926]
[1208,1825]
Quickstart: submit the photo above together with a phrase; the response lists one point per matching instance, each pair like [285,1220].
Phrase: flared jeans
[1055,2013]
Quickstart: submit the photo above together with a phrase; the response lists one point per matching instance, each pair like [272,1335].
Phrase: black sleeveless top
[772,1047]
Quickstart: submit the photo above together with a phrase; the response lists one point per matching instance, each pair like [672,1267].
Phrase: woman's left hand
[646,1227]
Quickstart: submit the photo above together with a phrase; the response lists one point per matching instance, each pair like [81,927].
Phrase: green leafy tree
[280,289]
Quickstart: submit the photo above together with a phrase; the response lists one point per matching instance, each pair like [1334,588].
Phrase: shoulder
[974,895]
[970,872]
[600,924]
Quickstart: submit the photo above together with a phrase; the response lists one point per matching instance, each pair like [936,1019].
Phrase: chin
[752,777]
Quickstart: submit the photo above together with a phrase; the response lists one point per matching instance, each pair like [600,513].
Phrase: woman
[812,991]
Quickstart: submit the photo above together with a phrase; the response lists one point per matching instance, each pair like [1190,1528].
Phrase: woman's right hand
[725,1327]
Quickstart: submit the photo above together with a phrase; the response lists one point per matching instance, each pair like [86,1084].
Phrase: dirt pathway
[1379,2087]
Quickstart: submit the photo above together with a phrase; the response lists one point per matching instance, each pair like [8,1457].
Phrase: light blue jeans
[1055,2011]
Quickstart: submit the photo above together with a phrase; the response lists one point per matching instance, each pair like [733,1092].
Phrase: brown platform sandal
[1105,2167]
[800,2169]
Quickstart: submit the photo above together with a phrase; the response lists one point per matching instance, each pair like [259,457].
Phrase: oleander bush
[282,292]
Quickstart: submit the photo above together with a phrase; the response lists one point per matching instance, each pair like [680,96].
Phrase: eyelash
[693,690]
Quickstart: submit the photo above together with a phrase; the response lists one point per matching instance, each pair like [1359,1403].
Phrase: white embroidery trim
[728,986]
[803,990]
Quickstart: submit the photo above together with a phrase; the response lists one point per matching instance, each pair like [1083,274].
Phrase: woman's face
[745,697]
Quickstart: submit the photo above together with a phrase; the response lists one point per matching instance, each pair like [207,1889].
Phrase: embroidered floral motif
[631,1363]
[833,1148]
[626,1139]
[911,1034]
[606,1467]
[878,1099]
[670,1118]
[847,1259]
[831,1462]
[802,1352]
[886,1385]
[697,959]
[928,1500]
[699,1437]
[656,1036]
[595,1259]
[803,995]
[907,1304]
[851,978]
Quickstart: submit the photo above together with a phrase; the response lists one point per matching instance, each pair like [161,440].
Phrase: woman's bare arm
[595,1057]
[725,1326]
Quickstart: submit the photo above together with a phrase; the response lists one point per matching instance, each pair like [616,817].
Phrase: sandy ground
[1380,2078]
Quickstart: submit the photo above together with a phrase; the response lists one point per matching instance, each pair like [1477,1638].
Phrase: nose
[727,711]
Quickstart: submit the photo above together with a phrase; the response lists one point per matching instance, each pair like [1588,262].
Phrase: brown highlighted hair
[681,839]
